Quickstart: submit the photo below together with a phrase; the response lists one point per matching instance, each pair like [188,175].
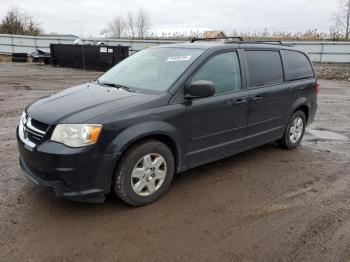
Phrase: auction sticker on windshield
[178,58]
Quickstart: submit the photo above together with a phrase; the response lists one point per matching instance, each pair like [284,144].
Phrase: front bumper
[79,174]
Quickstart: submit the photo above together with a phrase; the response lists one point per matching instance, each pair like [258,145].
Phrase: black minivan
[162,111]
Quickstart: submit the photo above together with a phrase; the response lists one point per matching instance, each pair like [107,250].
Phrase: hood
[83,102]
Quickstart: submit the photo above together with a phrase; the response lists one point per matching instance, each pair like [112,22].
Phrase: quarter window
[264,67]
[223,70]
[297,65]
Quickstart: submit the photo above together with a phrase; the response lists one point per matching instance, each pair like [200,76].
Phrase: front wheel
[294,132]
[144,173]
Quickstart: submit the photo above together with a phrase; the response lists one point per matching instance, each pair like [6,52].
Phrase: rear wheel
[294,132]
[144,173]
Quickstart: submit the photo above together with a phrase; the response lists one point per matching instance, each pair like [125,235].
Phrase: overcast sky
[67,16]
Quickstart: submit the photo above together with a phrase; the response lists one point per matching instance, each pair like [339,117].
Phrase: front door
[216,125]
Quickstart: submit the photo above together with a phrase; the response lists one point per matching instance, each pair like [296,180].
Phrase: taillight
[317,87]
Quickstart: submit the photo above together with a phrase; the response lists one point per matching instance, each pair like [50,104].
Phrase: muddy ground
[266,204]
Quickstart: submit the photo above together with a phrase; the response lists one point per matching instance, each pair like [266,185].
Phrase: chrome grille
[39,125]
[32,131]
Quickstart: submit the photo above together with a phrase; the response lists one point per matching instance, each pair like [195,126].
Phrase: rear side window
[223,70]
[297,65]
[264,67]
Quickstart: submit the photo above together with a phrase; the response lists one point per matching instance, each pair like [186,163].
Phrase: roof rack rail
[279,42]
[240,40]
[270,42]
[216,38]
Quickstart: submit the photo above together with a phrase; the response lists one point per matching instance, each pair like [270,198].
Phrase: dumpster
[101,57]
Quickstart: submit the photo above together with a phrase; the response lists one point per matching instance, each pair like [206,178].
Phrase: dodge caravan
[165,110]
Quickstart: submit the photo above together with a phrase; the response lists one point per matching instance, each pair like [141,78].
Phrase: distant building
[214,34]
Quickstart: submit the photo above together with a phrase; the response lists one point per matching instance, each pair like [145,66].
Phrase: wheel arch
[303,105]
[163,138]
[161,131]
[305,109]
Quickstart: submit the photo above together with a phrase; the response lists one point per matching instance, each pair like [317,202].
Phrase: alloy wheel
[148,174]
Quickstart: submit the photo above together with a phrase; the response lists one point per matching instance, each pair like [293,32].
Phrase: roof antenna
[82,49]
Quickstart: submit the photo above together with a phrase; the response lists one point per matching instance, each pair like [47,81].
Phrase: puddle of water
[327,135]
[271,209]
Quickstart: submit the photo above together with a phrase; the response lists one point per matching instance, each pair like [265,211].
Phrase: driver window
[223,70]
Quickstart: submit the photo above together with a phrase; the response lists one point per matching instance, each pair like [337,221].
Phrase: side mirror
[200,88]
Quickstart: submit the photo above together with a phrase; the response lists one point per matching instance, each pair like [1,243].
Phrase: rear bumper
[78,174]
[312,114]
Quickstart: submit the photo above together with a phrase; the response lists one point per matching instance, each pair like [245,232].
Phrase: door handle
[240,101]
[257,98]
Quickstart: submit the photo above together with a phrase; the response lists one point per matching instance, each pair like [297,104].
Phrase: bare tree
[342,19]
[130,21]
[117,27]
[142,23]
[18,22]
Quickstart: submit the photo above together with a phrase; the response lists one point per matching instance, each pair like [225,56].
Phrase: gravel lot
[266,204]
[333,71]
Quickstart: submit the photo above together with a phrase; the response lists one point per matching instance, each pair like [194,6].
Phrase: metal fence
[319,51]
[26,44]
[325,51]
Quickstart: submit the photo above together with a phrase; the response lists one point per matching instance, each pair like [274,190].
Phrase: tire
[19,59]
[289,140]
[144,173]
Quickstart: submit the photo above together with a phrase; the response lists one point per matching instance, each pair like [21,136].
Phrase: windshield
[154,69]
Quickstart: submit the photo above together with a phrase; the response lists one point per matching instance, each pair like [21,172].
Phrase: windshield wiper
[115,85]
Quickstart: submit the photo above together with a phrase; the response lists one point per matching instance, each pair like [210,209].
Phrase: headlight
[76,135]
